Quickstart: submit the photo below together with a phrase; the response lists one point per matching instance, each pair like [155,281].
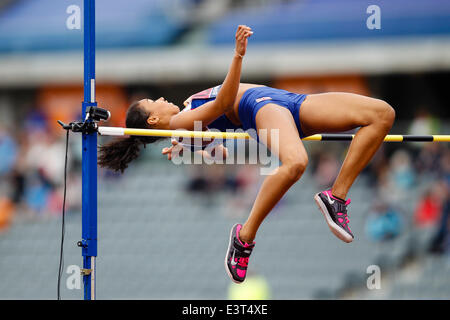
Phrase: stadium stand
[149,244]
[41,25]
[328,20]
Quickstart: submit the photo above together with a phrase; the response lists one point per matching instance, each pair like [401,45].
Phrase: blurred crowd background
[174,48]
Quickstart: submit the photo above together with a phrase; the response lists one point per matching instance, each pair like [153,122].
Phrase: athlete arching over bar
[250,106]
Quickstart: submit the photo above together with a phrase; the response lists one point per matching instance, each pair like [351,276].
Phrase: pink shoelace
[347,221]
[243,262]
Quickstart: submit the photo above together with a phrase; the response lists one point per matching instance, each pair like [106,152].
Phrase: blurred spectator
[429,207]
[401,171]
[441,240]
[429,158]
[376,166]
[17,181]
[444,167]
[37,193]
[394,178]
[384,222]
[32,170]
[8,152]
[385,185]
[423,124]
[327,170]
[46,154]
[34,121]
[6,212]
[197,183]
[212,178]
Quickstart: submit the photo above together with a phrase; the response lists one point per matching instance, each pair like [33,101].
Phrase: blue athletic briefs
[252,100]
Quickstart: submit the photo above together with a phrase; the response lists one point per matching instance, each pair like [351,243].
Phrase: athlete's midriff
[232,115]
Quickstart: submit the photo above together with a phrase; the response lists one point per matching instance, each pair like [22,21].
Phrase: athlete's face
[160,112]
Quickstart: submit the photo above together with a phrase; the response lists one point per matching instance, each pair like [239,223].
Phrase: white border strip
[92,90]
[93,288]
[111,131]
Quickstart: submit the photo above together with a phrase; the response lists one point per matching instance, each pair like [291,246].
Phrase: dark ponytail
[117,154]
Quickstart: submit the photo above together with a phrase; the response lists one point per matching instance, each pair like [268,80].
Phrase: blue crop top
[222,123]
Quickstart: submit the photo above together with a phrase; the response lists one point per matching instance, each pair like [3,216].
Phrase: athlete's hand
[219,152]
[174,151]
[242,34]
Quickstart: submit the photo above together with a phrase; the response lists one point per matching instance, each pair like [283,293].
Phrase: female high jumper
[235,105]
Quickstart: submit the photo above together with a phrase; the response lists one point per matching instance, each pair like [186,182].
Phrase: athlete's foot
[236,259]
[335,212]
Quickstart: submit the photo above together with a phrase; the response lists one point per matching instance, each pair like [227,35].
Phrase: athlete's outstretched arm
[227,94]
[210,111]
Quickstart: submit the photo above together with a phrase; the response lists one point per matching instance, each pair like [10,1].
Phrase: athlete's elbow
[225,101]
[225,105]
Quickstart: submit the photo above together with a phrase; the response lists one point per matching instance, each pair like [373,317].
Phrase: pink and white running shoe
[236,259]
[335,212]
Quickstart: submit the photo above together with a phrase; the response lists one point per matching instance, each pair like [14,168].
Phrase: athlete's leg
[337,112]
[292,155]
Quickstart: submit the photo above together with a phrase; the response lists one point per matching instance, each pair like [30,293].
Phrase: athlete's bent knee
[381,114]
[385,115]
[296,168]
